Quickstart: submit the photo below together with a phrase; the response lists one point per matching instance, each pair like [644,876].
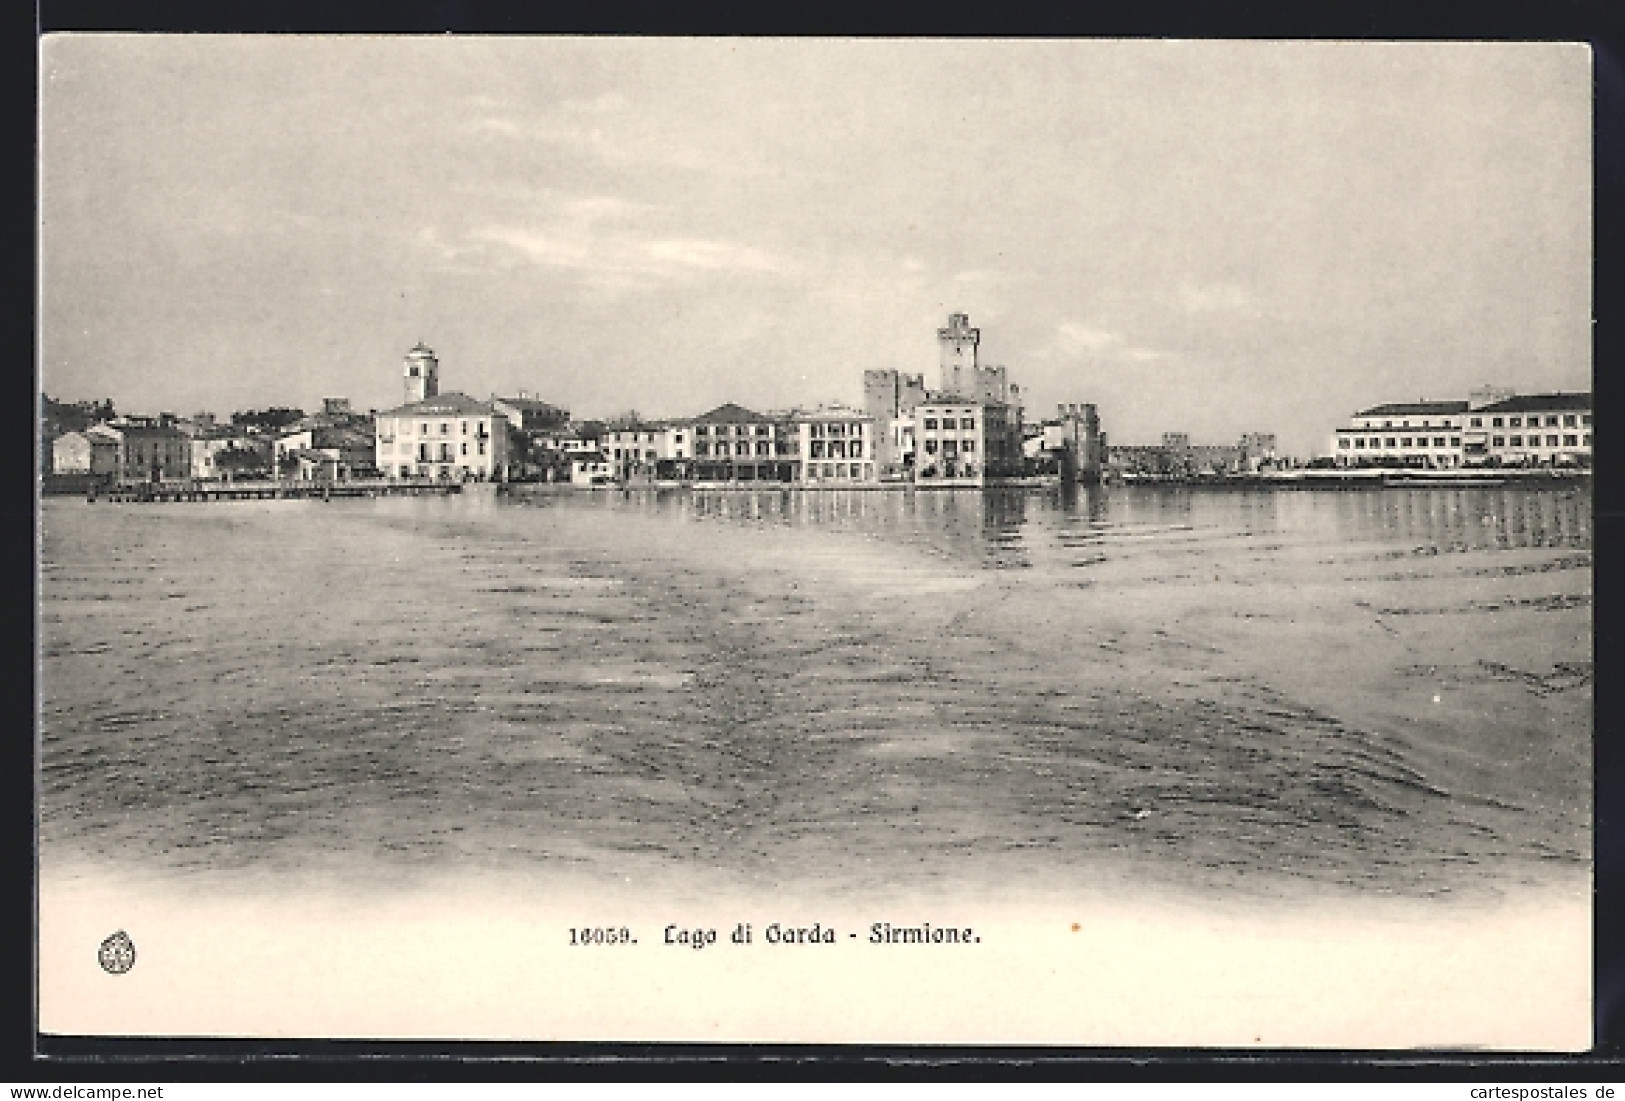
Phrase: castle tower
[956,346]
[422,374]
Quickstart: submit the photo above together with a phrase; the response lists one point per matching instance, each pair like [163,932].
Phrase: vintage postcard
[872,541]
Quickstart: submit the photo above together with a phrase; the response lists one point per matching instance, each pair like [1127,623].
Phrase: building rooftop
[939,397]
[450,404]
[1539,403]
[728,413]
[151,431]
[1414,408]
[532,405]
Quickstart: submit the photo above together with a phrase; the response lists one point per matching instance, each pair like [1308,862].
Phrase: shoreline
[1315,480]
[212,492]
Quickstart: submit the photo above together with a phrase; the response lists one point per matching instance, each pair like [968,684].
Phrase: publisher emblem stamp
[117,953]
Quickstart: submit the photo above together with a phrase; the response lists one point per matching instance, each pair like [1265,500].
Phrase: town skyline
[1211,238]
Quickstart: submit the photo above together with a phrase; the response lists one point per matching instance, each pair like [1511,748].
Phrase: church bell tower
[422,374]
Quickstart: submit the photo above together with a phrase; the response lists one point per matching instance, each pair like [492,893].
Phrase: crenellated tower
[956,347]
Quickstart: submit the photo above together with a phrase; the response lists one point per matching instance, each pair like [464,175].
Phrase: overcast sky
[1207,237]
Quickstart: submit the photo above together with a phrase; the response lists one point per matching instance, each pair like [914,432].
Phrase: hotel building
[1493,428]
[837,446]
[1418,433]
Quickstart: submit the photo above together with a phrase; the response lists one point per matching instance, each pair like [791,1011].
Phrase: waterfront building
[207,444]
[734,444]
[1257,451]
[837,446]
[447,436]
[95,450]
[590,469]
[964,442]
[1071,445]
[643,451]
[898,434]
[1418,433]
[356,444]
[320,464]
[890,398]
[1494,427]
[147,452]
[1531,430]
[529,415]
[225,454]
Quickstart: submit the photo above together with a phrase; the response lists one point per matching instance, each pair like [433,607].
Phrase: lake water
[1309,694]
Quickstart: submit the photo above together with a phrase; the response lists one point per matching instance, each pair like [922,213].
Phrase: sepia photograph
[1080,542]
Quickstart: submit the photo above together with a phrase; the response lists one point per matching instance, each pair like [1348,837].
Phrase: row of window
[965,423]
[1553,420]
[950,447]
[1393,443]
[733,430]
[1570,439]
[1568,421]
[949,469]
[839,470]
[424,428]
[445,454]
[1407,424]
[815,429]
[444,473]
[835,449]
[388,446]
[704,449]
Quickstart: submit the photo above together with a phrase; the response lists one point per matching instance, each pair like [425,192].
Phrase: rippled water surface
[1376,691]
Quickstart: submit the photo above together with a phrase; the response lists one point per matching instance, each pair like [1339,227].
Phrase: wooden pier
[247,491]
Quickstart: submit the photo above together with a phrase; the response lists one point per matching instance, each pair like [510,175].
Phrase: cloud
[492,125]
[597,105]
[616,260]
[617,133]
[1072,338]
[710,255]
[592,207]
[1217,298]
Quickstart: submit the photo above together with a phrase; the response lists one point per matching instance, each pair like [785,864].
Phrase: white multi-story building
[449,437]
[837,446]
[964,442]
[733,444]
[1493,428]
[1531,430]
[654,450]
[1419,433]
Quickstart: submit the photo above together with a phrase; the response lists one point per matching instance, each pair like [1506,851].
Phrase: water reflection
[1007,528]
